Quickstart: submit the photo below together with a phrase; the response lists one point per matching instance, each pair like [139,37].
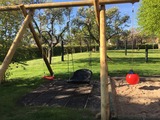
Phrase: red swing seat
[48,77]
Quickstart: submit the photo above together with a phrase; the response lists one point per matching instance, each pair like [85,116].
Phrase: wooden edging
[112,100]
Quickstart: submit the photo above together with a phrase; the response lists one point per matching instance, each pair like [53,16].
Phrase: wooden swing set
[99,7]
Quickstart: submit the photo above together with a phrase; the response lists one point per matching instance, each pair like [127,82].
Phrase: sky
[125,8]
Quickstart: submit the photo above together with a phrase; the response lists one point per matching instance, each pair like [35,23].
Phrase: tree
[52,27]
[9,25]
[10,22]
[85,21]
[85,24]
[149,17]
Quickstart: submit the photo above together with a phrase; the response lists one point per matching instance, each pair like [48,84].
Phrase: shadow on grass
[126,62]
[137,60]
[121,60]
[29,82]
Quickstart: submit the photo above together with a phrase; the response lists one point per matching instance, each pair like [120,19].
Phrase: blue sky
[125,8]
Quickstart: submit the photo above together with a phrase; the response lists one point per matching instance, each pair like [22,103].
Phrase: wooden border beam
[96,9]
[65,4]
[36,38]
[14,45]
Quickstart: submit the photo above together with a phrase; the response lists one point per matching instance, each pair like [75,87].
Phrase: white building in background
[109,42]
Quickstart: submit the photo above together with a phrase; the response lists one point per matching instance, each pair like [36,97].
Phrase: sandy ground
[137,101]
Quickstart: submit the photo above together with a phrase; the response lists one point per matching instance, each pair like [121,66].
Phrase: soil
[140,101]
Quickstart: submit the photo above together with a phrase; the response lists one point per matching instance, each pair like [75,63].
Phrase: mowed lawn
[27,76]
[118,66]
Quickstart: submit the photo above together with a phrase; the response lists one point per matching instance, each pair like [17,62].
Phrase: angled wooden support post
[103,67]
[36,38]
[14,45]
[96,9]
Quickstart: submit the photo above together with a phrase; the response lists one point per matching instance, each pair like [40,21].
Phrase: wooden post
[14,45]
[37,41]
[96,9]
[103,67]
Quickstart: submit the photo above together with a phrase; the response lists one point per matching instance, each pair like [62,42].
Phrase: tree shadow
[19,81]
[138,60]
[149,87]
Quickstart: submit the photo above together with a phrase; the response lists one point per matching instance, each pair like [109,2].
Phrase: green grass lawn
[27,76]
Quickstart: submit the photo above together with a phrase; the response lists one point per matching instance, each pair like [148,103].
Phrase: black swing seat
[81,76]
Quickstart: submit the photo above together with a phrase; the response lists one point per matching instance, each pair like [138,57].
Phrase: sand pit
[140,101]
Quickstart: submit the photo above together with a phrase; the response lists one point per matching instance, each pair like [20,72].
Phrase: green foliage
[8,73]
[10,23]
[149,16]
[22,54]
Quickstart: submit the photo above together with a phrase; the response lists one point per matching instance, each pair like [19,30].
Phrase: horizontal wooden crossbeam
[65,4]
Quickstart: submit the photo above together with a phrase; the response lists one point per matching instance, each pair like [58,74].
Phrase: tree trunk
[117,44]
[146,53]
[80,43]
[158,42]
[50,55]
[125,47]
[87,46]
[158,45]
[62,51]
[36,38]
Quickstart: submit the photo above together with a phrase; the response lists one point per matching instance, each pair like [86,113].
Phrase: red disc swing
[132,78]
[48,77]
